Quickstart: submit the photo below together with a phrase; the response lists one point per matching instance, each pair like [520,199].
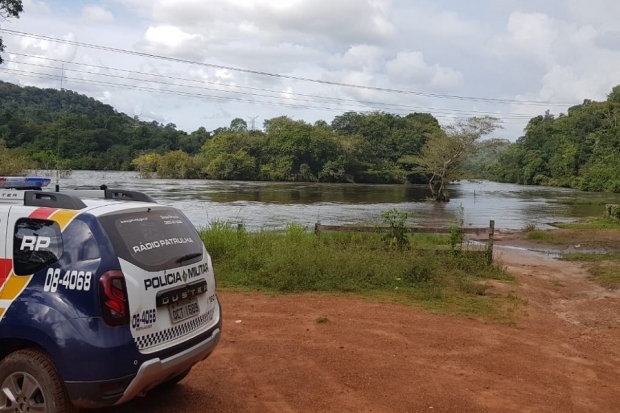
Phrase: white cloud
[35,7]
[96,14]
[358,57]
[46,48]
[302,21]
[557,50]
[409,68]
[170,37]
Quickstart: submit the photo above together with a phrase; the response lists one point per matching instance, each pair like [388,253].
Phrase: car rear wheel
[29,382]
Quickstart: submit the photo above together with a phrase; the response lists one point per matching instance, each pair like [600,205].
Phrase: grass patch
[322,320]
[295,261]
[583,201]
[549,237]
[607,274]
[604,268]
[592,223]
[591,233]
[584,257]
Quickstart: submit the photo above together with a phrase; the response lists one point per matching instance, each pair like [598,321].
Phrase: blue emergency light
[23,182]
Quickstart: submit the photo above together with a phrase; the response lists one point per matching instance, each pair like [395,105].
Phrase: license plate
[184,310]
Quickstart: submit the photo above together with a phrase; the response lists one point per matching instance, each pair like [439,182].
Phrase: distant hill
[83,132]
[48,105]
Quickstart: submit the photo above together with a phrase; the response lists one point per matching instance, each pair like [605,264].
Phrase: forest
[579,149]
[48,129]
[52,127]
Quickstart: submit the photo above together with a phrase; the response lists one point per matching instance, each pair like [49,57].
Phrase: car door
[32,243]
[5,261]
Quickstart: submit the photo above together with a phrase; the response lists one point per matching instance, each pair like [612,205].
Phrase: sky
[203,63]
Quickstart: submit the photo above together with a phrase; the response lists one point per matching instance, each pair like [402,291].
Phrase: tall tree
[446,151]
[238,125]
[8,9]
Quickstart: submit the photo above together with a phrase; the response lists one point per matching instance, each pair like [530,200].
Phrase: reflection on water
[273,205]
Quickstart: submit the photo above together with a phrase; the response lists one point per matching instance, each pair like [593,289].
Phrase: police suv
[104,295]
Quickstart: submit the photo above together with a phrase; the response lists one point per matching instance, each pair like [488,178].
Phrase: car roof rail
[52,200]
[125,195]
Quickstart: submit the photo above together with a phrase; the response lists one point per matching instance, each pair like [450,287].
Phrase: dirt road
[562,356]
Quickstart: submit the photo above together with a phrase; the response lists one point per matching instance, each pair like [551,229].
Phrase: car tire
[29,379]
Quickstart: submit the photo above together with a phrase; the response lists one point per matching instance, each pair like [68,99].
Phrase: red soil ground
[561,355]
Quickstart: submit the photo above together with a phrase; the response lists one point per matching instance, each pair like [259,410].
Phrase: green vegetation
[53,127]
[64,128]
[549,237]
[322,320]
[296,261]
[442,158]
[590,233]
[356,147]
[457,235]
[590,223]
[397,236]
[580,149]
[604,268]
[607,274]
[71,131]
[14,161]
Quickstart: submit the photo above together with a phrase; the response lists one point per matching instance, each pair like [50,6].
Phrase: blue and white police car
[104,295]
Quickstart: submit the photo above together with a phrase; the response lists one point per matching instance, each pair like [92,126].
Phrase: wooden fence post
[490,246]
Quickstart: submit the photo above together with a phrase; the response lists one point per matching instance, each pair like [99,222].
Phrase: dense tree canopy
[372,148]
[47,128]
[71,131]
[580,149]
[62,127]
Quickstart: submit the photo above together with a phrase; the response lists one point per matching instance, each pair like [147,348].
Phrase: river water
[267,205]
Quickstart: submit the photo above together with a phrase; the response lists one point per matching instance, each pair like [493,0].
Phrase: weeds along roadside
[410,270]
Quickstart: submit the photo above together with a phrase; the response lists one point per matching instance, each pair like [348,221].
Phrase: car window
[80,243]
[154,240]
[37,244]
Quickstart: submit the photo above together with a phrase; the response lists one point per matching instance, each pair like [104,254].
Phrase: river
[268,205]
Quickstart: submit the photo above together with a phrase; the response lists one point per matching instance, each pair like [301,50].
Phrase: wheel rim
[22,393]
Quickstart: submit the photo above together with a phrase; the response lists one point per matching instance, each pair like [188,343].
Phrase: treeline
[356,147]
[65,129]
[579,149]
[49,129]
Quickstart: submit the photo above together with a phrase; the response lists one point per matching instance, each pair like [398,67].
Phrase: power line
[189,94]
[276,75]
[354,102]
[423,108]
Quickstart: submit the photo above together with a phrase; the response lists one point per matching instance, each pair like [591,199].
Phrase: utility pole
[62,77]
[57,186]
[253,122]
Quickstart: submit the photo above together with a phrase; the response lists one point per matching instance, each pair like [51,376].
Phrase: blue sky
[522,56]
